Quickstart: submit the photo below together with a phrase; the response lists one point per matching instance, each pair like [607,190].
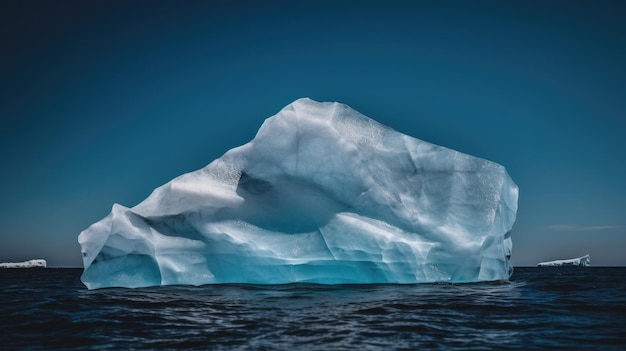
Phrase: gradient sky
[102,101]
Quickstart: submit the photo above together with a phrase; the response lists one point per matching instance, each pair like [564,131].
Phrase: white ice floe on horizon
[322,194]
[38,263]
[583,261]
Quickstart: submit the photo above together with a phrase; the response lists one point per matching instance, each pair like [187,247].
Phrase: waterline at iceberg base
[322,194]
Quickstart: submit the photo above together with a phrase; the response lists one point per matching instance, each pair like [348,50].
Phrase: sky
[103,101]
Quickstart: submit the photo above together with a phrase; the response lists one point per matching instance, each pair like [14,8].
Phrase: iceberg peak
[322,194]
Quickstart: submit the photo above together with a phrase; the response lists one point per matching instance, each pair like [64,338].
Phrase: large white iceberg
[37,263]
[322,194]
[583,261]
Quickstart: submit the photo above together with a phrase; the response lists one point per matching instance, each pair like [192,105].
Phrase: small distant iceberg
[577,262]
[39,263]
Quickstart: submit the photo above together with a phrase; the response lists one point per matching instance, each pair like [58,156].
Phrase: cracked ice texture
[322,194]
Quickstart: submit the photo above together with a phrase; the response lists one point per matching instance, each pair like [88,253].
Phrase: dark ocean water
[540,308]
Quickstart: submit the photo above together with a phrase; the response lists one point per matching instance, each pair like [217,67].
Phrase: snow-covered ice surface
[322,194]
[580,261]
[38,263]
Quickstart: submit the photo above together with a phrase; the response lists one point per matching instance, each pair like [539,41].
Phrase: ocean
[538,309]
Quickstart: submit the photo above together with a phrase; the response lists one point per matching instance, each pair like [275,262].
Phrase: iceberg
[38,263]
[583,261]
[322,194]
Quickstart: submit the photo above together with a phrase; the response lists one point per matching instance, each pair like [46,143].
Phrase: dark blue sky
[101,102]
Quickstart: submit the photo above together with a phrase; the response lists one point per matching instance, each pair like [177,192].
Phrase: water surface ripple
[540,308]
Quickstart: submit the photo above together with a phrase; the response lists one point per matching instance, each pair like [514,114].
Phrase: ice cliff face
[322,194]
